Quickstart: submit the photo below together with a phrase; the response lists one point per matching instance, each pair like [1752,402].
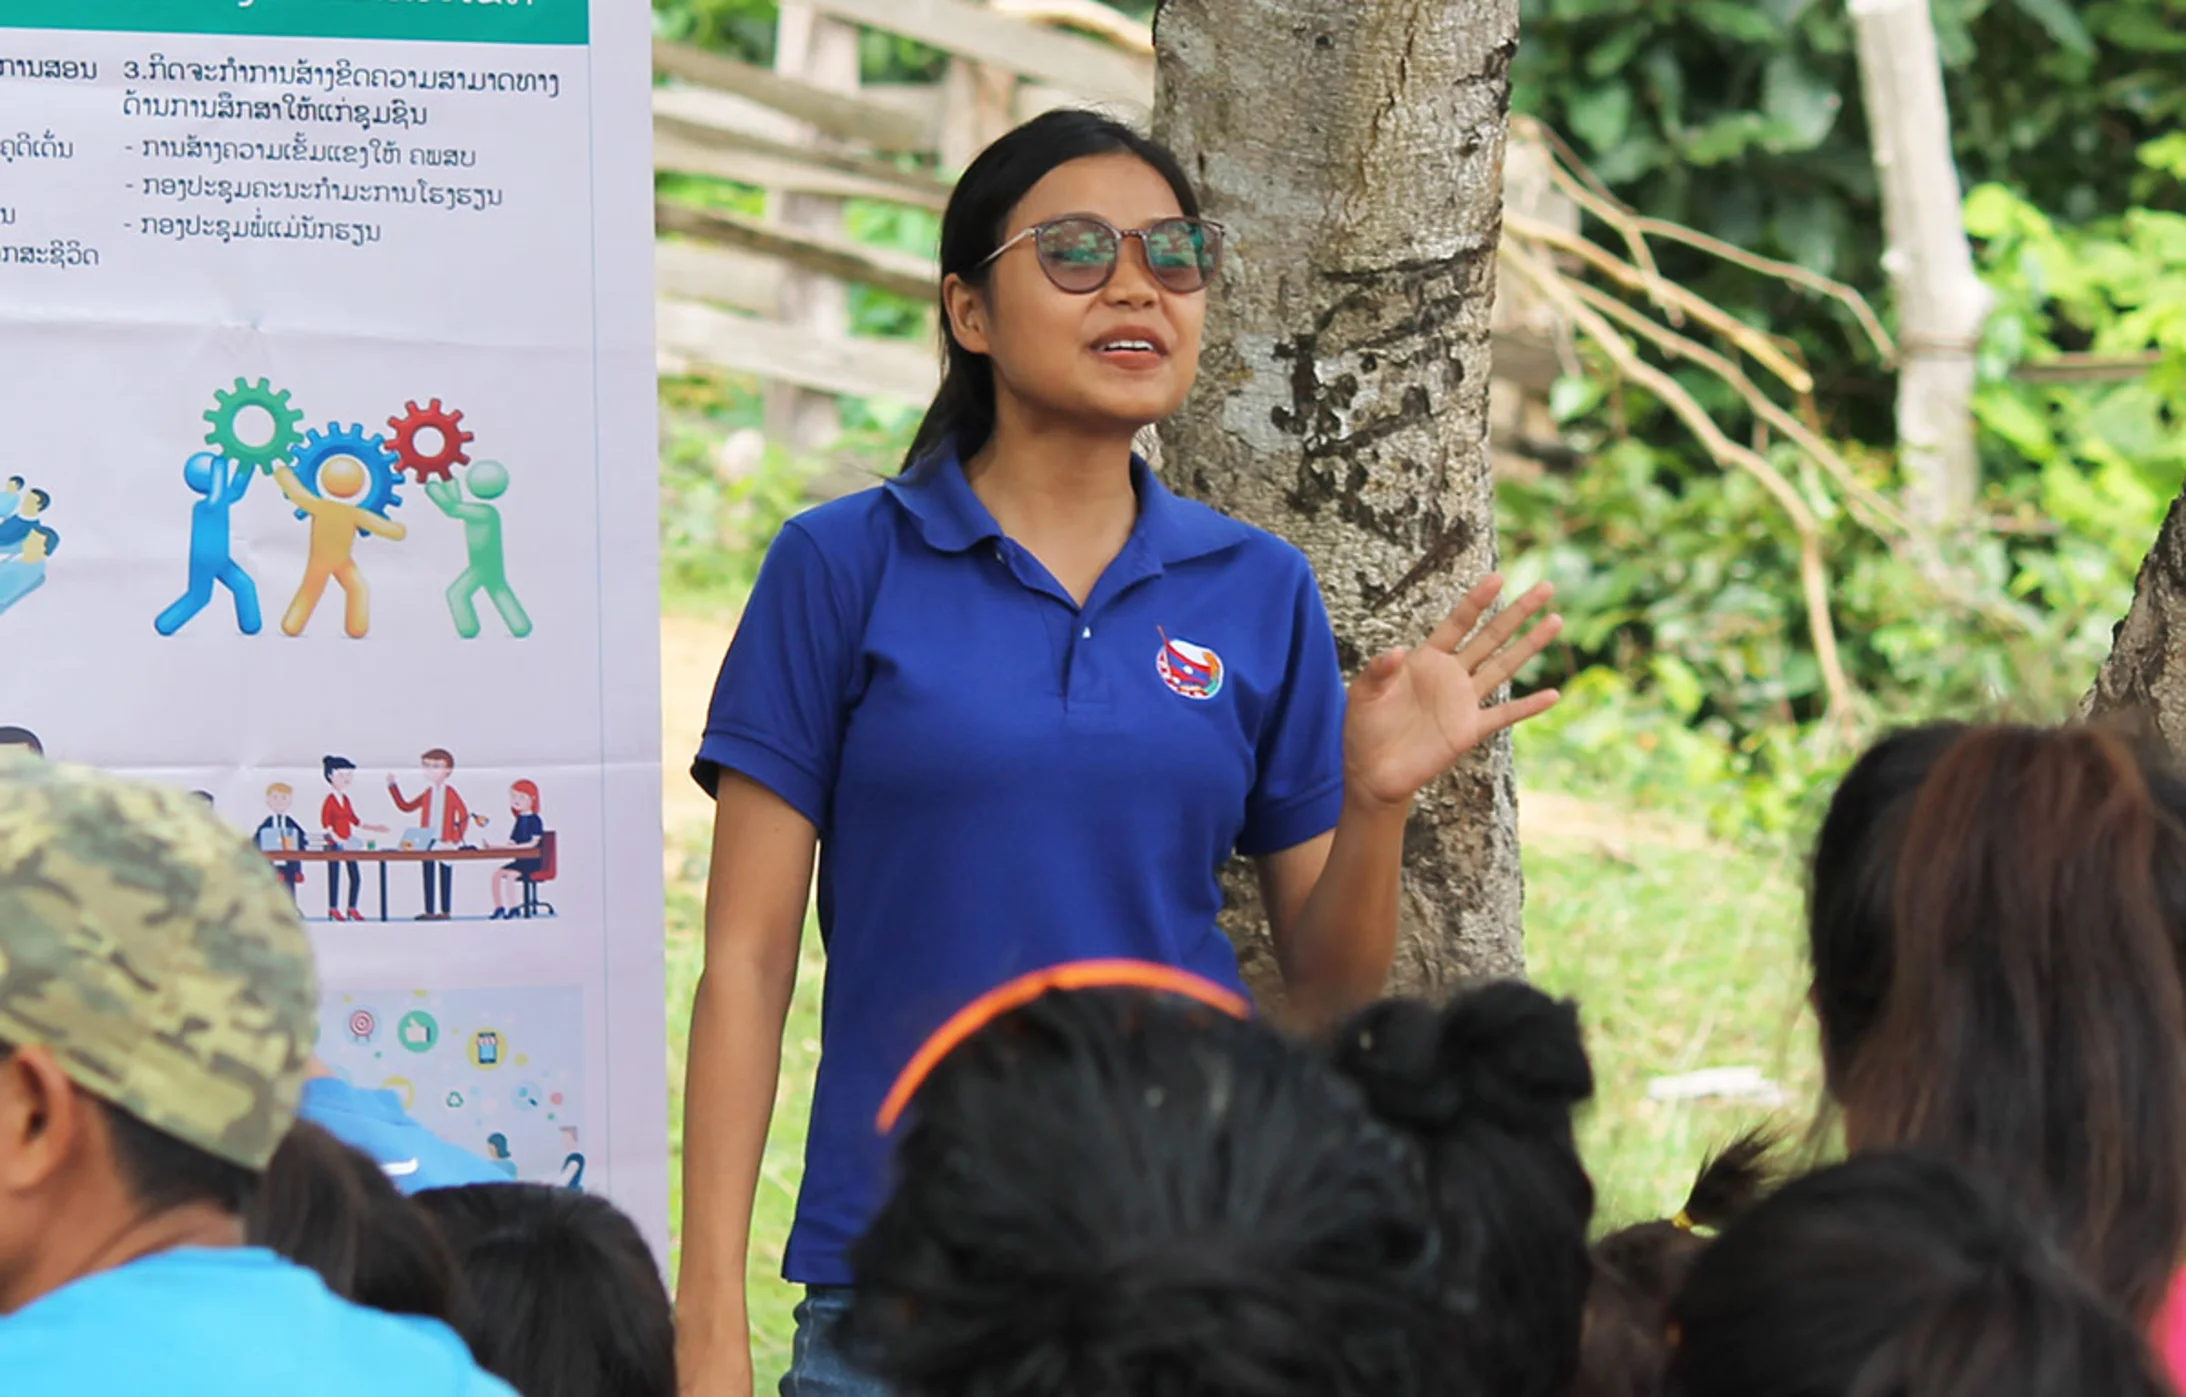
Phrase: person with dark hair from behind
[1995,924]
[569,1299]
[157,1004]
[1897,1275]
[1486,1084]
[329,1207]
[1116,1193]
[1639,1269]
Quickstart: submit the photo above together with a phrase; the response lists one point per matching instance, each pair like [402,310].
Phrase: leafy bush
[1687,627]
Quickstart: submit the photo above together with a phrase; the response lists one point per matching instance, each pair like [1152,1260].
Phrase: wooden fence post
[823,52]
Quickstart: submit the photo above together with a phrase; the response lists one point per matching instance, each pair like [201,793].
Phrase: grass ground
[1682,954]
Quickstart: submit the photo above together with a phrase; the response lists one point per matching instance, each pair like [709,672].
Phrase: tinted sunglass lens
[1077,254]
[1183,252]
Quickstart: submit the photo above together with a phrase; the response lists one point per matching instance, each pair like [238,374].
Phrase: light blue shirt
[227,1322]
[375,1123]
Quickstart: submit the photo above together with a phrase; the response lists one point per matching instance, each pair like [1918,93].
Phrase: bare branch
[1765,408]
[1758,346]
[1813,574]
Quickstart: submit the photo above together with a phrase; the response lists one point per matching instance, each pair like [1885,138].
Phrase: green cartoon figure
[488,571]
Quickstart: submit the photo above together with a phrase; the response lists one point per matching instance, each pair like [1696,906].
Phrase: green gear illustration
[230,403]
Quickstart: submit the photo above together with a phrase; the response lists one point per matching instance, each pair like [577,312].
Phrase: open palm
[1414,712]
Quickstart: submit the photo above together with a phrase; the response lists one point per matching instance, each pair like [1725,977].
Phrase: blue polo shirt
[1003,780]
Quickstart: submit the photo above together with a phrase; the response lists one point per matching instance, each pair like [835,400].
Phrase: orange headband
[1077,975]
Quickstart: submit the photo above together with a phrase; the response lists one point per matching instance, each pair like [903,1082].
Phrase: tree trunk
[2142,685]
[1941,303]
[1355,152]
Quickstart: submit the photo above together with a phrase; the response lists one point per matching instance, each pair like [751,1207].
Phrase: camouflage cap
[156,953]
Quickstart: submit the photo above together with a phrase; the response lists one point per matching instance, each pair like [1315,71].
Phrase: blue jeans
[818,1366]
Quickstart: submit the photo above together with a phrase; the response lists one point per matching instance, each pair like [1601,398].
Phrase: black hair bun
[1503,1052]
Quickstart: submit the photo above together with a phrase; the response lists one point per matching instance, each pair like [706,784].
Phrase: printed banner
[329,492]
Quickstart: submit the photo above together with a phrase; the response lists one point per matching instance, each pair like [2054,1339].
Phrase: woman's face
[519,802]
[1048,346]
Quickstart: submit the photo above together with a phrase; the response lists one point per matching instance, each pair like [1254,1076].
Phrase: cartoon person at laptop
[443,820]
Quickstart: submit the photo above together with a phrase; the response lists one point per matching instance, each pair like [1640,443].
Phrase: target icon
[362,1025]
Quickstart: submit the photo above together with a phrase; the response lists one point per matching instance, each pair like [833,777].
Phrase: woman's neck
[1055,484]
[1065,496]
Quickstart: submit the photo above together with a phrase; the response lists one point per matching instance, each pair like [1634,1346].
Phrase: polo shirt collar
[952,518]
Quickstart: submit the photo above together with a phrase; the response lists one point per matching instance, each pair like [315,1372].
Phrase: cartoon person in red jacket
[445,819]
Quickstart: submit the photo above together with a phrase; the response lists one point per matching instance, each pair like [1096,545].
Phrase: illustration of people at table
[338,817]
[26,541]
[508,879]
[279,831]
[443,818]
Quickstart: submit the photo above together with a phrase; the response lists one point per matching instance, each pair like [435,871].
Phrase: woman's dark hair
[570,1301]
[329,765]
[1994,926]
[962,415]
[1897,1275]
[1109,1193]
[1486,1085]
[1638,1270]
[329,1207]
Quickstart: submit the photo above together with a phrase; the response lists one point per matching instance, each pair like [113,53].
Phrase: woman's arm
[755,914]
[1332,910]
[1332,901]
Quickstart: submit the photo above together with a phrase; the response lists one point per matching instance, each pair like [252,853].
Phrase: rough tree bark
[1355,152]
[2142,685]
[1941,302]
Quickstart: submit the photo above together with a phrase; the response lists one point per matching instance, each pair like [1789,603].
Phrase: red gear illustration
[453,439]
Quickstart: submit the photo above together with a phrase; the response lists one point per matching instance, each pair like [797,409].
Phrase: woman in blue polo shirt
[1024,702]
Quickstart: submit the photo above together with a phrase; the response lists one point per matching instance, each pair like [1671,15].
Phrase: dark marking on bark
[1324,42]
[1446,545]
[1348,654]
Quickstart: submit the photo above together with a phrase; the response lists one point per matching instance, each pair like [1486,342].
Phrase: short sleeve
[779,705]
[1299,791]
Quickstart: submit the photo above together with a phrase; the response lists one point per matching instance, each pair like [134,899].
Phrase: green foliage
[1688,636]
[2100,460]
[1743,118]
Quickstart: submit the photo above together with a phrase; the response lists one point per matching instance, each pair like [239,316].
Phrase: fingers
[1466,614]
[1506,664]
[1498,632]
[1510,715]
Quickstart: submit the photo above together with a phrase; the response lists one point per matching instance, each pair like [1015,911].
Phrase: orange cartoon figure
[335,526]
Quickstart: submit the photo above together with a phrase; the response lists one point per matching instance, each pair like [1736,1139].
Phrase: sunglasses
[1079,252]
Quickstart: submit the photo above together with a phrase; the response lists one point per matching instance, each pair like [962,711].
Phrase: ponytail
[1637,1270]
[1896,1275]
[1487,1086]
[961,417]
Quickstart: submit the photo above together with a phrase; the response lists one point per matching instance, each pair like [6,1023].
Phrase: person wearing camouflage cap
[157,1014]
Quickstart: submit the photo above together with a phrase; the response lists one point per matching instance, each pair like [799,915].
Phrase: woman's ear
[967,306]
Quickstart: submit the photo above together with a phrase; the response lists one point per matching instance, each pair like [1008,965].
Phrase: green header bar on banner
[447,21]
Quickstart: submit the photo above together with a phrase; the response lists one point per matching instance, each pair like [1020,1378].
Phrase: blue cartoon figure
[25,572]
[219,484]
[497,1150]
[219,477]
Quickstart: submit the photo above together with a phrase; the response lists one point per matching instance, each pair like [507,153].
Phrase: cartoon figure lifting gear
[332,471]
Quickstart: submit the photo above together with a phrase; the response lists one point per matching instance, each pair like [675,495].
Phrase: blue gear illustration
[379,462]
